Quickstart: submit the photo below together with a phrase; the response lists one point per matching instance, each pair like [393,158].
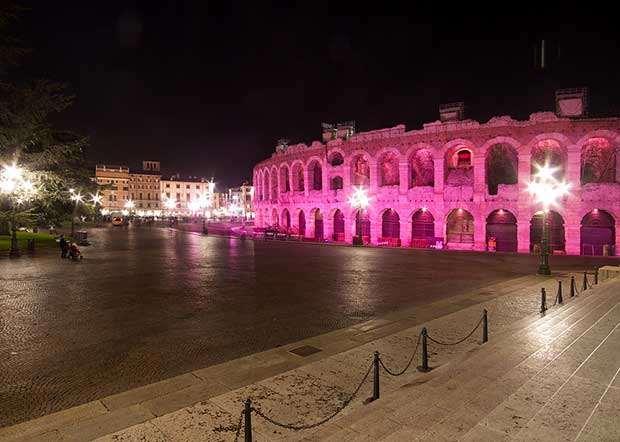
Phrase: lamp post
[546,189]
[18,189]
[359,200]
[77,198]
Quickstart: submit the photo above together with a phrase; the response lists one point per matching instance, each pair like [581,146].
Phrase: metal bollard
[585,281]
[572,286]
[485,326]
[248,420]
[596,276]
[560,299]
[424,367]
[375,383]
[543,300]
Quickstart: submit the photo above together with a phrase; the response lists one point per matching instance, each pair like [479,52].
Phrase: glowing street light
[546,190]
[18,190]
[95,199]
[359,199]
[129,205]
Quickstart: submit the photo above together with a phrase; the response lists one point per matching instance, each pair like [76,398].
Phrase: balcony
[458,193]
[421,193]
[505,192]
[600,192]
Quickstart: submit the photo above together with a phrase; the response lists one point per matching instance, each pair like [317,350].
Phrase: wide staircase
[551,377]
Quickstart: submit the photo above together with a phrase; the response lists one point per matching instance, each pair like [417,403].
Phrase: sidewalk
[206,404]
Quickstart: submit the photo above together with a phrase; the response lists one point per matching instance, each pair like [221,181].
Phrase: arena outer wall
[439,183]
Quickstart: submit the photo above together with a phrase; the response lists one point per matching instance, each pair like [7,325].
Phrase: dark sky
[207,88]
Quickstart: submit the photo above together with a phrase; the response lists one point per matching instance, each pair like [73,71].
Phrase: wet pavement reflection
[147,303]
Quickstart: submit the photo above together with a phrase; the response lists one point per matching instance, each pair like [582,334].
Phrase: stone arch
[286,219]
[549,151]
[335,157]
[390,227]
[336,183]
[316,219]
[459,163]
[598,161]
[459,227]
[361,218]
[266,184]
[338,225]
[285,183]
[273,181]
[422,228]
[297,175]
[301,223]
[360,169]
[501,229]
[421,168]
[598,233]
[275,219]
[557,239]
[388,168]
[315,175]
[501,166]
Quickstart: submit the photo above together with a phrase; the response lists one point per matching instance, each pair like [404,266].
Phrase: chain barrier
[436,341]
[415,352]
[322,421]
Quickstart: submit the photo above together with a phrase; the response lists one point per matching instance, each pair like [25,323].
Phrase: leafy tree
[53,158]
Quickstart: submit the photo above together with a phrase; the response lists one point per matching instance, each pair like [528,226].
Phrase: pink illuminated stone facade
[459,183]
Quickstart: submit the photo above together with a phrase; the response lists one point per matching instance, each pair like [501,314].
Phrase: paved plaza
[149,304]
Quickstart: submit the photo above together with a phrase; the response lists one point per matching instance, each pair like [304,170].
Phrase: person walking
[64,246]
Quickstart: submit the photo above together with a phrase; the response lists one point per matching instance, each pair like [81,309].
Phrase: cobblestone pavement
[147,304]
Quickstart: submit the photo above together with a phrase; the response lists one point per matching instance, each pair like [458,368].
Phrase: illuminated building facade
[455,183]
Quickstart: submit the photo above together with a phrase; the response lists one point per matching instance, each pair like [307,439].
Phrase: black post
[596,276]
[375,383]
[543,300]
[485,326]
[572,286]
[585,281]
[543,266]
[560,299]
[424,367]
[248,421]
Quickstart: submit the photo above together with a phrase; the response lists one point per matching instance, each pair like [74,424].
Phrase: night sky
[208,88]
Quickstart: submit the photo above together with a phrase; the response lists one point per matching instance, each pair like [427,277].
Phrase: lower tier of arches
[587,231]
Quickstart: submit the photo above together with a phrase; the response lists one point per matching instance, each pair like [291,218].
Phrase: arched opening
[598,234]
[459,169]
[360,171]
[362,226]
[286,219]
[501,231]
[555,223]
[302,224]
[266,186]
[422,229]
[274,185]
[285,183]
[338,226]
[551,153]
[336,159]
[501,166]
[274,218]
[388,169]
[318,224]
[336,183]
[421,168]
[390,228]
[598,162]
[297,174]
[460,227]
[316,175]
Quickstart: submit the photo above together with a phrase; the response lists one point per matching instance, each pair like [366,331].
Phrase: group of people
[69,249]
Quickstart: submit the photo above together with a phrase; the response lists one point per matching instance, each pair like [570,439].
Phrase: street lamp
[359,200]
[77,198]
[546,190]
[18,190]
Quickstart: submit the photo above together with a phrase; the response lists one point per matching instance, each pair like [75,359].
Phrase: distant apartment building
[240,201]
[114,186]
[186,195]
[144,187]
